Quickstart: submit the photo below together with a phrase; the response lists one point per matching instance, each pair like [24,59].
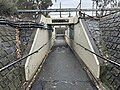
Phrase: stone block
[2,83]
[11,75]
[11,57]
[12,86]
[116,84]
[5,72]
[1,88]
[111,80]
[9,38]
[7,88]
[17,82]
[1,65]
[3,33]
[5,39]
[6,81]
[4,61]
[11,43]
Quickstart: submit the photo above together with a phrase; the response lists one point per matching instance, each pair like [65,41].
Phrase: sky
[70,4]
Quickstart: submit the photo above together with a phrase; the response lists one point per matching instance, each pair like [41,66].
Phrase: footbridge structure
[72,53]
[59,20]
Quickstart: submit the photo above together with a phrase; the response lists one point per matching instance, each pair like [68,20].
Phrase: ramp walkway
[62,71]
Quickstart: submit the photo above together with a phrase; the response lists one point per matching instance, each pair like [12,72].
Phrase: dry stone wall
[110,40]
[106,35]
[13,77]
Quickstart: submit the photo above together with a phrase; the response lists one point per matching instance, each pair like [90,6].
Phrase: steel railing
[86,49]
[21,23]
[21,59]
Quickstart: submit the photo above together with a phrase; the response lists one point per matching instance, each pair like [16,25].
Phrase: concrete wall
[81,37]
[33,62]
[49,20]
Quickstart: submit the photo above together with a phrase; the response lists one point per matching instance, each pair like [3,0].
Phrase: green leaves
[47,3]
[7,7]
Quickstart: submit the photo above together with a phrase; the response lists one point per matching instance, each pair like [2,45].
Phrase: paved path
[62,71]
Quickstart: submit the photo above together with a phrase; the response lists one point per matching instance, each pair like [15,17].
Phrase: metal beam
[67,10]
[21,24]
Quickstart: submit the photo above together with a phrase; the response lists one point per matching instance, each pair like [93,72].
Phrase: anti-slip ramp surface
[62,71]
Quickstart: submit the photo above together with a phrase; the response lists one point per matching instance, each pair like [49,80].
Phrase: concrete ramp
[62,71]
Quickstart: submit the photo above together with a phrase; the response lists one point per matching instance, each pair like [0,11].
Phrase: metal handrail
[21,23]
[86,49]
[67,10]
[21,59]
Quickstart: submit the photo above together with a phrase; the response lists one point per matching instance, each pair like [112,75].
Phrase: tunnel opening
[62,70]
[60,20]
[60,29]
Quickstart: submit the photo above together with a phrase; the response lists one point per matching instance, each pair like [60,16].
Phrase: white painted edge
[91,47]
[27,61]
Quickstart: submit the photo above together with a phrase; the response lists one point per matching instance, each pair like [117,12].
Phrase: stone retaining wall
[110,40]
[13,77]
[106,35]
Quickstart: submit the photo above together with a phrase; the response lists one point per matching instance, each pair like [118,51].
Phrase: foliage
[102,4]
[8,7]
[32,4]
[47,3]
[106,3]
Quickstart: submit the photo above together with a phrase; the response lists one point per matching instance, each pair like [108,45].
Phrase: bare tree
[101,4]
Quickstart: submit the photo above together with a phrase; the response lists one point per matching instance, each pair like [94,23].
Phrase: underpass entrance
[62,70]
